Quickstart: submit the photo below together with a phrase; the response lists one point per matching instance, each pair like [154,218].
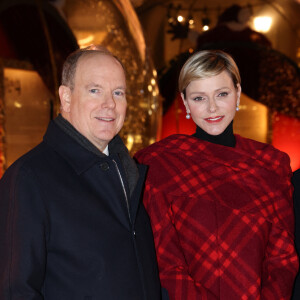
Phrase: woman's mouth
[214,119]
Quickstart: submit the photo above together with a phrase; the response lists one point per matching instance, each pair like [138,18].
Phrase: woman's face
[212,102]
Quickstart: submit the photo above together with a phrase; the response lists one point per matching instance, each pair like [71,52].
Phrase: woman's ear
[65,98]
[185,103]
[239,92]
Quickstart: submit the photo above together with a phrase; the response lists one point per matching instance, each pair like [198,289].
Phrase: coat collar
[69,129]
[75,154]
[81,159]
[82,154]
[136,195]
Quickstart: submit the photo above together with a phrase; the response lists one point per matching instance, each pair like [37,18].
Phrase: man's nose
[109,101]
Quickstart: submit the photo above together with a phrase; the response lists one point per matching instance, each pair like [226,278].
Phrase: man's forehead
[97,63]
[97,57]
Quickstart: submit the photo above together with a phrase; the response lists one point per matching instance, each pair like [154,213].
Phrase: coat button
[104,166]
[134,233]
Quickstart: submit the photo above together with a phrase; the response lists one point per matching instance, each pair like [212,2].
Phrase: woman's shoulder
[265,154]
[257,146]
[165,147]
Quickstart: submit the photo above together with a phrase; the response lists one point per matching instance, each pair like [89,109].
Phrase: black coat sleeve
[296,184]
[23,235]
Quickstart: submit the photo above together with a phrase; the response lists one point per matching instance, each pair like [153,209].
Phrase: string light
[191,23]
[179,23]
[180,19]
[262,24]
[205,23]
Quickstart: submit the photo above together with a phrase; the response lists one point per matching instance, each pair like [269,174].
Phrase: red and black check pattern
[222,218]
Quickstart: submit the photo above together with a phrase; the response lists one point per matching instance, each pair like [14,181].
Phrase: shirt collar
[105,151]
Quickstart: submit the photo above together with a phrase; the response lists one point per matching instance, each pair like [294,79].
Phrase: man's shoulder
[41,156]
[32,158]
[25,169]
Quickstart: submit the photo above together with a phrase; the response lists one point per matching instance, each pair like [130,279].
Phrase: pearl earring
[188,116]
[237,108]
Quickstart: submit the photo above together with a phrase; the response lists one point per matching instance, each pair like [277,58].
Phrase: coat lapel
[136,197]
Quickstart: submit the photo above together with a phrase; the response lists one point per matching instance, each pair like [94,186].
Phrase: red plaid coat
[222,218]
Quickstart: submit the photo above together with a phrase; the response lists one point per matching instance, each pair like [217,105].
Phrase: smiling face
[212,102]
[96,106]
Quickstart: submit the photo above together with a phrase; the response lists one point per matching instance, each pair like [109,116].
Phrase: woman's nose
[212,107]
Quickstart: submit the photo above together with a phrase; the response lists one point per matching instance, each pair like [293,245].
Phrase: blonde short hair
[207,63]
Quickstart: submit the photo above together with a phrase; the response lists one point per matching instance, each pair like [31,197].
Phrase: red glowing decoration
[286,137]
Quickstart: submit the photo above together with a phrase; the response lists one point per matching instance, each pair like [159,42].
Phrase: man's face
[97,105]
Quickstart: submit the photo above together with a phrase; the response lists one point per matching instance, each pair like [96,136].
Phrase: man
[72,225]
[296,196]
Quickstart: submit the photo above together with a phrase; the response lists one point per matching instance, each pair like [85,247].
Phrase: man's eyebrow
[93,85]
[120,88]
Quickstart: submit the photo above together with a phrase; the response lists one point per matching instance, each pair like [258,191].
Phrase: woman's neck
[226,138]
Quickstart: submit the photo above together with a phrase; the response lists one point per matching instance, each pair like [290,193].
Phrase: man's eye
[119,93]
[94,91]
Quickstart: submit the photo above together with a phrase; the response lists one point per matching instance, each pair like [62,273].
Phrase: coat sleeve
[173,269]
[296,184]
[280,265]
[22,236]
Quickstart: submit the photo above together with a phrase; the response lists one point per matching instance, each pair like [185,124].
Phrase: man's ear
[65,98]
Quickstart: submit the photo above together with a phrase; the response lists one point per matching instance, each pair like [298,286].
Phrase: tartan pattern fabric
[222,218]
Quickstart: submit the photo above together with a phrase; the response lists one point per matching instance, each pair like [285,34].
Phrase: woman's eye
[223,94]
[199,98]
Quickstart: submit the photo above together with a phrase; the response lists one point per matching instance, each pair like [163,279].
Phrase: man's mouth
[105,119]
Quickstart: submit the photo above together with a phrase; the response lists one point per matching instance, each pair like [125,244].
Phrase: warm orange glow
[286,137]
[262,24]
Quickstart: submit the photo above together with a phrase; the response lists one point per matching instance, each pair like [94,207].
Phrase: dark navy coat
[65,229]
[296,184]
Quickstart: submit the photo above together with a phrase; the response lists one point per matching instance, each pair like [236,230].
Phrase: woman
[220,205]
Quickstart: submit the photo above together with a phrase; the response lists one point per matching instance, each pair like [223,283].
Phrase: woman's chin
[214,132]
